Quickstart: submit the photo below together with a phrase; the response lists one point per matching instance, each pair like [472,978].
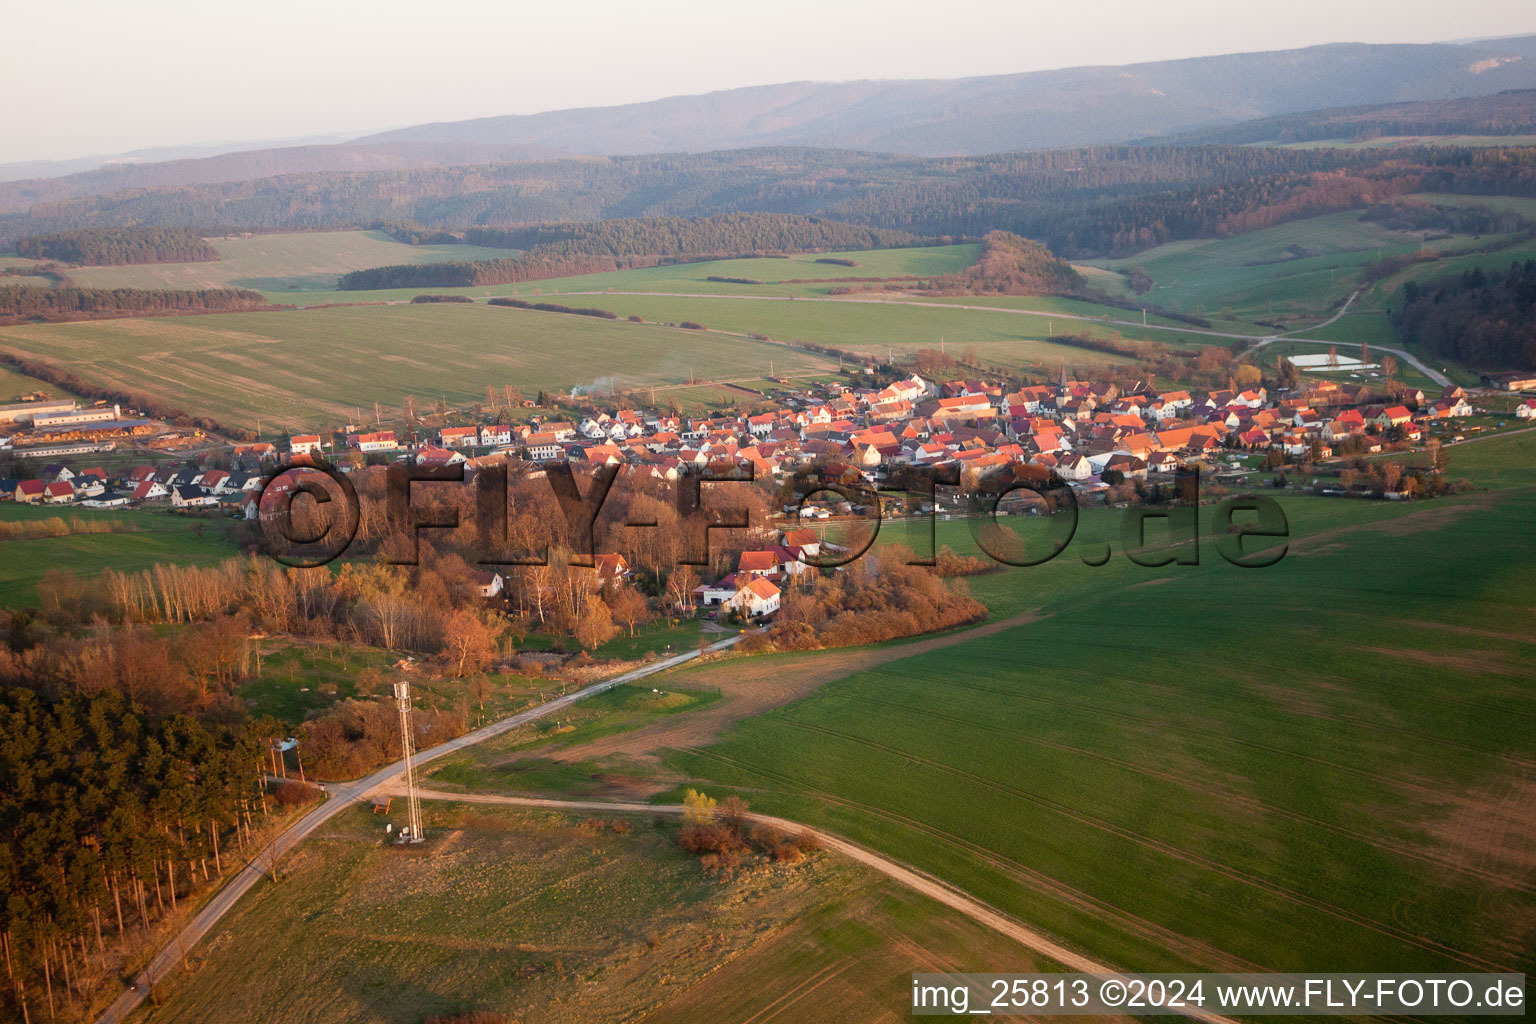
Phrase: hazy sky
[105,76]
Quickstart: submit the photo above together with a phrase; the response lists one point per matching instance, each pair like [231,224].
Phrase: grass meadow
[149,537]
[555,918]
[1323,762]
[1297,271]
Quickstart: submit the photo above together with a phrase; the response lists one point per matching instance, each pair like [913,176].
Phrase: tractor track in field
[1169,850]
[910,877]
[1224,794]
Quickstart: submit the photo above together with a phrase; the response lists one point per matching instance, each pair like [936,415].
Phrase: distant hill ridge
[1512,112]
[933,117]
[998,113]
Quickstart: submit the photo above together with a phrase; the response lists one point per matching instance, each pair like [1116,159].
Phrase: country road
[342,796]
[1259,341]
[389,780]
[1439,378]
[908,877]
[1331,320]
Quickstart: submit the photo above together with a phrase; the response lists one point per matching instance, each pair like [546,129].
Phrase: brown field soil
[749,685]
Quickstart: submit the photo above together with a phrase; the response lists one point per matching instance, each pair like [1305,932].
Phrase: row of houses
[176,486]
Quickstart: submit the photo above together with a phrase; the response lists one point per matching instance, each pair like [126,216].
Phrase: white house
[304,444]
[711,594]
[1074,467]
[489,584]
[543,447]
[382,441]
[192,496]
[1526,410]
[756,597]
[495,435]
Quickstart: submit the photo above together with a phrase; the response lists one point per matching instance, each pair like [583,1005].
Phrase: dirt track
[749,687]
[911,878]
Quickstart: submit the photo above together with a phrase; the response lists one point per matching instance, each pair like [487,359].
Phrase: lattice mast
[412,802]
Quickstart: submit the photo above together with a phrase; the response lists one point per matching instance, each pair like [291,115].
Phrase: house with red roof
[756,598]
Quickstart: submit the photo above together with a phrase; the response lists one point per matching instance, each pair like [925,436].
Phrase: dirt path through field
[750,686]
[911,878]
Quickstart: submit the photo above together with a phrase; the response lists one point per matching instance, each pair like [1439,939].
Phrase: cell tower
[412,832]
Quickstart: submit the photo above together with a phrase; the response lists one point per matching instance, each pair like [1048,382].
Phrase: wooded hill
[110,247]
[1106,200]
[1010,265]
[1484,320]
[560,250]
[1512,112]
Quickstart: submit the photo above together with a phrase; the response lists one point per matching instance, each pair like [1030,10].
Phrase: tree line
[561,250]
[115,246]
[1482,319]
[20,302]
[108,817]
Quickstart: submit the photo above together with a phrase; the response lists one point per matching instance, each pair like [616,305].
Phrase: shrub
[295,794]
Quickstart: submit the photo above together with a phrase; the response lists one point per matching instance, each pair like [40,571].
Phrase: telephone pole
[413,832]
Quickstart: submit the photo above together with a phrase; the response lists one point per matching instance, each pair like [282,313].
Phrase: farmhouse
[304,444]
[757,597]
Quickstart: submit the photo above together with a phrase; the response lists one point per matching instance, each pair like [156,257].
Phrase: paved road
[1258,341]
[911,878]
[1333,319]
[1435,375]
[342,796]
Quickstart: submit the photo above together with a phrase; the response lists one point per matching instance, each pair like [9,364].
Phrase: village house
[543,447]
[612,568]
[495,436]
[191,496]
[380,441]
[304,444]
[756,598]
[487,584]
[458,437]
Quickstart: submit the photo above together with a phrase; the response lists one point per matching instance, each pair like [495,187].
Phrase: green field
[873,326]
[14,385]
[815,278]
[541,917]
[1324,761]
[313,369]
[155,537]
[1296,271]
[280,264]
